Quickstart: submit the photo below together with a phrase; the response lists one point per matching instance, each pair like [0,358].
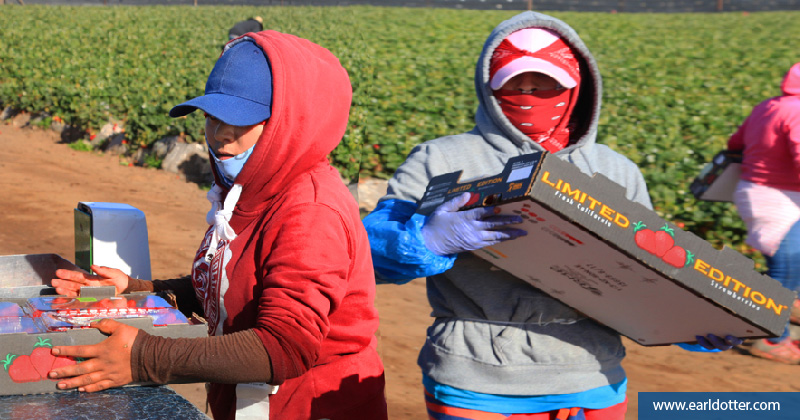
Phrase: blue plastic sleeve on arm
[399,253]
[696,348]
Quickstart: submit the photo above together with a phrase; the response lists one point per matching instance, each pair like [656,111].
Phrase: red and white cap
[534,49]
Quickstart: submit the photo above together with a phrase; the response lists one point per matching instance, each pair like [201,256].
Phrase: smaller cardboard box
[615,260]
[26,340]
[718,179]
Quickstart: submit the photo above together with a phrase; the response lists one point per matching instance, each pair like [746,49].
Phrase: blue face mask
[230,168]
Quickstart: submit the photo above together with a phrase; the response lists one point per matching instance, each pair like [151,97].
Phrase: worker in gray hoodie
[497,344]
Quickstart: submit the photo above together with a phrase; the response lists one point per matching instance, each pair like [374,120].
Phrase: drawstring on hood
[220,215]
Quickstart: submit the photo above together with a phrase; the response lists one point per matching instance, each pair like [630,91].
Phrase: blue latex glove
[449,231]
[712,343]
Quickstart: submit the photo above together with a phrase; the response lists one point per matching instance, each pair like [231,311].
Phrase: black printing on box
[597,247]
[513,183]
[718,178]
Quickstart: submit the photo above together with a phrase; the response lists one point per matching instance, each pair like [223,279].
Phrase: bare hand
[69,282]
[107,364]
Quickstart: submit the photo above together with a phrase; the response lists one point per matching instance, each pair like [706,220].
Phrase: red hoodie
[299,271]
[770,138]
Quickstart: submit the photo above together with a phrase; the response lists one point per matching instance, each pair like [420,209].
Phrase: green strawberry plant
[675,85]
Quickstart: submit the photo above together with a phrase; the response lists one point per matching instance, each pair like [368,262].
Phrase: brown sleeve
[138,285]
[234,358]
[181,287]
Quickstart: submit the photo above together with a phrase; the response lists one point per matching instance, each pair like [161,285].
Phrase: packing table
[134,402]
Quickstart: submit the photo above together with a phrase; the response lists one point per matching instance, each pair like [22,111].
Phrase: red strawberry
[678,257]
[664,241]
[473,198]
[20,369]
[42,360]
[645,238]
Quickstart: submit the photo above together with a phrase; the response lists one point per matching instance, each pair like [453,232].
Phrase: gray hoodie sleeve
[410,180]
[599,158]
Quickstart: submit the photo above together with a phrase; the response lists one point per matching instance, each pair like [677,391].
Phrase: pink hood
[791,83]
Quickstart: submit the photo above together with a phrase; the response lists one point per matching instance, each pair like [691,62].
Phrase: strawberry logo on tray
[661,243]
[35,366]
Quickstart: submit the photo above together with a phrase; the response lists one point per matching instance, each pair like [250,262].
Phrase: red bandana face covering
[538,115]
[542,115]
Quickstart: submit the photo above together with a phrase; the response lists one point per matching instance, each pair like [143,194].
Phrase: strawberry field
[676,86]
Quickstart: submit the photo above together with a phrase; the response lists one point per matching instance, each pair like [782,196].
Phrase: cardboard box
[112,235]
[718,178]
[28,276]
[591,248]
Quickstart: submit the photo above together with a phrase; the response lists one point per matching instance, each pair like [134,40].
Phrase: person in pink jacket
[768,197]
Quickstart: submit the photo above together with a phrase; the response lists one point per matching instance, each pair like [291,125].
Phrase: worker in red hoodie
[284,274]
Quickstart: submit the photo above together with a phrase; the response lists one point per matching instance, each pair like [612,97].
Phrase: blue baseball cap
[239,88]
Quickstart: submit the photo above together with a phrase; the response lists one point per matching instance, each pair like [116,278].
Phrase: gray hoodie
[494,333]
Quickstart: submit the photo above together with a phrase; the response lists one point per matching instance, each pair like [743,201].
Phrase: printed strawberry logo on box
[662,244]
[614,259]
[34,367]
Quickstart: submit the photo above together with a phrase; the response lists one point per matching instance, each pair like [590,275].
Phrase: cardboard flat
[718,179]
[28,276]
[615,260]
